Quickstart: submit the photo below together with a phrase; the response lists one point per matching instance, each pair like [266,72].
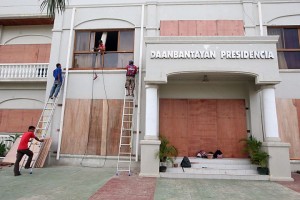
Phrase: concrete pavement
[70,182]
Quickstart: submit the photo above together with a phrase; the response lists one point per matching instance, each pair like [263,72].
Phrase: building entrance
[192,125]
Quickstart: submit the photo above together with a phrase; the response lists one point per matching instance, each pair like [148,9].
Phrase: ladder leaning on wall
[125,145]
[42,128]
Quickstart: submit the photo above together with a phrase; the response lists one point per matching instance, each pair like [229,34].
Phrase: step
[224,168]
[215,176]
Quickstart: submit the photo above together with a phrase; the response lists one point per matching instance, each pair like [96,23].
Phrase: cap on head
[130,62]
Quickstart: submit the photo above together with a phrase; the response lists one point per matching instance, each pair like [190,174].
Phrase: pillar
[279,160]
[150,144]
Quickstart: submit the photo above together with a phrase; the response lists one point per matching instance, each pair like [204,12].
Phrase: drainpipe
[65,83]
[260,19]
[140,83]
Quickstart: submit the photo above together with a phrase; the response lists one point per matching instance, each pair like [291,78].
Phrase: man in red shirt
[23,149]
[131,71]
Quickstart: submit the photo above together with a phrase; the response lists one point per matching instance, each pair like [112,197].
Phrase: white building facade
[210,74]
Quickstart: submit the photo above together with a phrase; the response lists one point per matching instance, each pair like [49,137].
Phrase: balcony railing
[28,71]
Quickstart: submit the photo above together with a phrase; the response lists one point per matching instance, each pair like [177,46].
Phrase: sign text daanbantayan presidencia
[211,55]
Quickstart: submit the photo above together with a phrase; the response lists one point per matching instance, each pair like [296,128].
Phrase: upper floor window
[116,50]
[288,46]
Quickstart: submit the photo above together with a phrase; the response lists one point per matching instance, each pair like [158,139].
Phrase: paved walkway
[82,183]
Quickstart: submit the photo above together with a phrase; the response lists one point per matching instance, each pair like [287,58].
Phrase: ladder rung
[126,136]
[128,114]
[124,161]
[127,153]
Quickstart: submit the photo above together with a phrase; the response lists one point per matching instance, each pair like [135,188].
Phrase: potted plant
[261,159]
[256,154]
[166,153]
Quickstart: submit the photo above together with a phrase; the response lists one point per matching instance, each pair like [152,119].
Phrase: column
[269,114]
[279,160]
[152,116]
[150,145]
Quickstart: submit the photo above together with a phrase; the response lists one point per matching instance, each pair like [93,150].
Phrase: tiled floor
[69,182]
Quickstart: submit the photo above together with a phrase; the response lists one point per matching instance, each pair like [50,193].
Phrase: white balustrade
[23,71]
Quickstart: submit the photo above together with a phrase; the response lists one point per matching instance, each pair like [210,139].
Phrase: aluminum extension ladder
[125,145]
[42,126]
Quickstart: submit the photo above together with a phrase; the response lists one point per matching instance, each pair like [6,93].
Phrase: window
[288,46]
[119,49]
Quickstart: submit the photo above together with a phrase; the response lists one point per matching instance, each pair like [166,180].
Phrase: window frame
[282,50]
[86,52]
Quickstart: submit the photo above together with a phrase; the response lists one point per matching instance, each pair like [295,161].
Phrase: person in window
[57,74]
[131,71]
[23,149]
[100,49]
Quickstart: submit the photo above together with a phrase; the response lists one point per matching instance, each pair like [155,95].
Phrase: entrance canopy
[250,56]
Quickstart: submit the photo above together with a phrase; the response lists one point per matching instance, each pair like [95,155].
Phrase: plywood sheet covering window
[201,28]
[16,121]
[288,113]
[25,53]
[193,125]
[92,127]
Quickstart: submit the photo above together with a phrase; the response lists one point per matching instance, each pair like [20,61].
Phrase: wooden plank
[288,123]
[18,120]
[206,28]
[43,153]
[25,53]
[104,127]
[187,28]
[169,28]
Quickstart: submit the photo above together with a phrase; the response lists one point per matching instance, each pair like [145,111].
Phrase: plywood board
[169,28]
[187,28]
[115,108]
[206,27]
[25,53]
[230,27]
[18,120]
[43,153]
[288,123]
[76,126]
[11,155]
[192,125]
[95,128]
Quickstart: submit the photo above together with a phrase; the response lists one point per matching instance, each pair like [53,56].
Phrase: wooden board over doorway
[192,125]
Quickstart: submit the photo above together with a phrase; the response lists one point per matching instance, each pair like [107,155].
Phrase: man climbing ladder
[130,78]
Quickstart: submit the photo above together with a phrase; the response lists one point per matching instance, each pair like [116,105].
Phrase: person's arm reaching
[40,140]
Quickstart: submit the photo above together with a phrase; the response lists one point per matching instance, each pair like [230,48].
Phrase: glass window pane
[292,60]
[289,60]
[92,60]
[82,42]
[291,38]
[117,60]
[277,31]
[126,41]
